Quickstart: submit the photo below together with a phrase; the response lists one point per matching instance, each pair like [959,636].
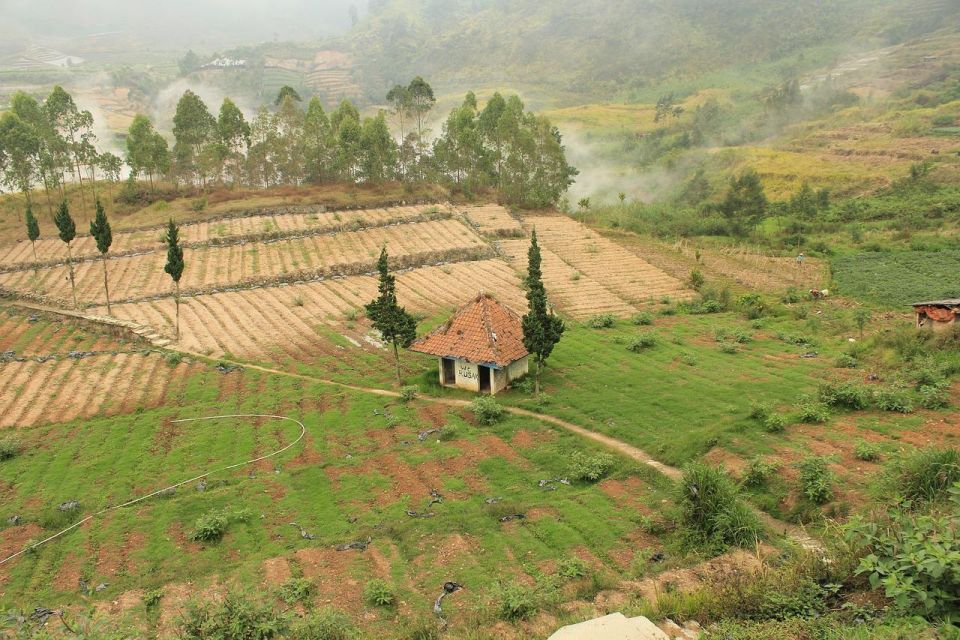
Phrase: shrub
[758,471]
[742,337]
[602,321]
[234,618]
[845,361]
[729,347]
[926,474]
[867,451]
[913,558]
[933,397]
[9,448]
[642,341]
[846,395]
[688,359]
[571,567]
[378,593]
[296,590]
[696,280]
[791,296]
[816,481]
[212,525]
[199,204]
[774,423]
[895,400]
[710,509]
[752,305]
[326,624]
[516,601]
[590,467]
[812,412]
[174,358]
[152,598]
[644,318]
[408,393]
[298,301]
[760,410]
[487,410]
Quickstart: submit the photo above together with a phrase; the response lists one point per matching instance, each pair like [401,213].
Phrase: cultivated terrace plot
[622,272]
[494,220]
[54,372]
[284,221]
[573,293]
[373,491]
[140,276]
[305,322]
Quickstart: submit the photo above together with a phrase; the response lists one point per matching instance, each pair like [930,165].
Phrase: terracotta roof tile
[483,331]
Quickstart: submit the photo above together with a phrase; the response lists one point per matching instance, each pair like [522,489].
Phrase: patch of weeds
[601,321]
[152,598]
[688,359]
[487,410]
[9,448]
[809,411]
[644,318]
[211,526]
[379,593]
[711,511]
[845,361]
[758,471]
[844,395]
[894,400]
[816,480]
[729,348]
[352,315]
[516,601]
[867,451]
[642,341]
[235,616]
[296,590]
[408,393]
[572,567]
[924,475]
[760,411]
[590,467]
[174,358]
[774,423]
[933,396]
[298,301]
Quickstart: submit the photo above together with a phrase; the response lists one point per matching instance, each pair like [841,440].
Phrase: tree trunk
[73,288]
[176,299]
[536,378]
[106,287]
[396,357]
[35,259]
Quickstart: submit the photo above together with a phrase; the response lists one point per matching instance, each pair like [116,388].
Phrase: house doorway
[448,374]
[484,379]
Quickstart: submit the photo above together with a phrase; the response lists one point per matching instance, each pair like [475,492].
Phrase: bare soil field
[494,220]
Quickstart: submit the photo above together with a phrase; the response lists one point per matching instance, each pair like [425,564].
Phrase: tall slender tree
[174,266]
[33,230]
[100,230]
[68,231]
[388,317]
[541,329]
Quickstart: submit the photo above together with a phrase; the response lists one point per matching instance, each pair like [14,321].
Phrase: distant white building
[225,63]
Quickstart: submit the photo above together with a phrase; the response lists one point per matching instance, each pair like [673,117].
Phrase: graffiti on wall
[466,372]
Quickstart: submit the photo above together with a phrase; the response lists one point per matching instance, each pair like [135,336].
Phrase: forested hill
[573,47]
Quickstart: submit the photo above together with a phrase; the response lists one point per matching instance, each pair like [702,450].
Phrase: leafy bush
[742,337]
[602,321]
[710,509]
[326,624]
[571,567]
[379,593]
[926,474]
[644,318]
[590,467]
[752,305]
[810,411]
[846,361]
[867,451]
[174,358]
[816,481]
[408,393]
[696,280]
[760,411]
[296,590]
[933,396]
[893,399]
[516,601]
[914,558]
[729,347]
[212,525]
[846,395]
[487,410]
[774,423]
[234,618]
[758,471]
[642,341]
[791,296]
[9,448]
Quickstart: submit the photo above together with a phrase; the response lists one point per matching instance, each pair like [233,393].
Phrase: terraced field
[139,276]
[493,220]
[622,273]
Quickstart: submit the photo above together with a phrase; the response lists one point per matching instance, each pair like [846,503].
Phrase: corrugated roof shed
[949,302]
[482,332]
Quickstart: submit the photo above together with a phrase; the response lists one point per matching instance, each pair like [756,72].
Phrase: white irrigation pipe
[303,431]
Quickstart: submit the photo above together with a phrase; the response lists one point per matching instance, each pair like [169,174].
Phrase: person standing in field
[800,260]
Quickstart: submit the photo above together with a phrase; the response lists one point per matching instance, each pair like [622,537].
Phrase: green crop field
[897,279]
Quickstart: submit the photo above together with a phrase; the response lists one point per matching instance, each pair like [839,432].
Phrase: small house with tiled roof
[480,348]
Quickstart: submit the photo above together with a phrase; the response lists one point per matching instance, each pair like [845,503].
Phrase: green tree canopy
[387,316]
[541,329]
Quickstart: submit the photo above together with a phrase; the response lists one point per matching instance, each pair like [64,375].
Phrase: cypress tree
[541,329]
[33,230]
[174,265]
[389,318]
[68,231]
[100,230]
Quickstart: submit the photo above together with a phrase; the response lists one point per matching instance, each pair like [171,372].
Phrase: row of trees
[501,146]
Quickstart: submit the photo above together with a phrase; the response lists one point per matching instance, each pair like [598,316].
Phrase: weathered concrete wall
[518,369]
[468,375]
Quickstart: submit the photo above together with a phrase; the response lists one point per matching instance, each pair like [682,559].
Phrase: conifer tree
[68,231]
[174,265]
[101,232]
[389,318]
[33,229]
[541,329]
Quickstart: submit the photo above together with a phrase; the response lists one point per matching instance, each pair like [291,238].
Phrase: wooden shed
[937,315]
[480,348]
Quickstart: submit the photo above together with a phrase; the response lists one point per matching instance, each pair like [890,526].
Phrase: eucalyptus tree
[317,142]
[233,133]
[194,129]
[75,126]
